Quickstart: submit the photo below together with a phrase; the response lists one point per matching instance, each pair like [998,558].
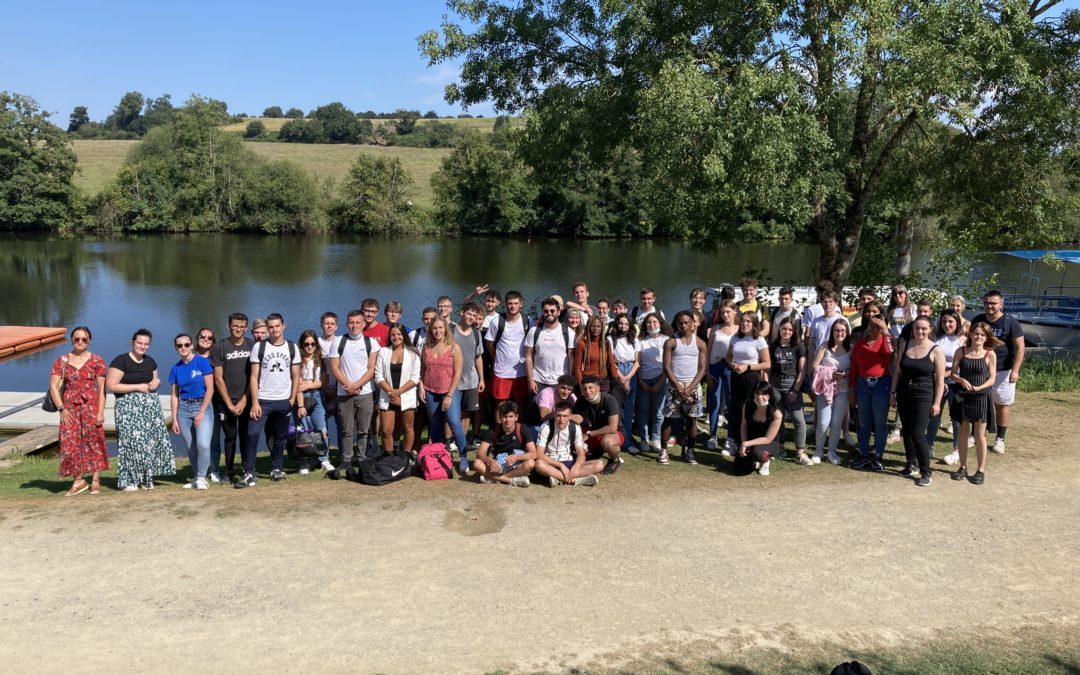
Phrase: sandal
[77,489]
[95,488]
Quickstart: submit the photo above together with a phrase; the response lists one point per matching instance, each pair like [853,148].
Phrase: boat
[1050,316]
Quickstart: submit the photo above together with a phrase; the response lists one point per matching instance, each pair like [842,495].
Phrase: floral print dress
[82,441]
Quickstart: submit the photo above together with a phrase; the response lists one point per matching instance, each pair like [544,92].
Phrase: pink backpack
[435,461]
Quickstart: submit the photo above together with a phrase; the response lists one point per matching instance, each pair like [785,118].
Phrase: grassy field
[275,123]
[99,161]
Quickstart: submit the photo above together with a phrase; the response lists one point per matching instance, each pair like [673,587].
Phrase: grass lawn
[100,160]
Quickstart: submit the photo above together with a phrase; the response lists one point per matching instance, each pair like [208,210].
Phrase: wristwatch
[59,408]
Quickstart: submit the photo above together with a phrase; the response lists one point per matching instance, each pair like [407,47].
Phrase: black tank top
[917,374]
[755,429]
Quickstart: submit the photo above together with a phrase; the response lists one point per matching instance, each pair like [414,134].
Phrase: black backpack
[346,338]
[565,334]
[294,351]
[386,468]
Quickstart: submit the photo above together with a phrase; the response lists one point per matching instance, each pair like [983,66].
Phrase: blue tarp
[1067,256]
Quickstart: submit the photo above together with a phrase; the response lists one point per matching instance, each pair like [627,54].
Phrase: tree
[376,198]
[294,113]
[78,119]
[255,129]
[405,120]
[127,112]
[431,115]
[274,112]
[36,167]
[159,111]
[483,189]
[339,124]
[795,110]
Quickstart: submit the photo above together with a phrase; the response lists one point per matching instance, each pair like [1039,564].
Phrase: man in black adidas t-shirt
[231,360]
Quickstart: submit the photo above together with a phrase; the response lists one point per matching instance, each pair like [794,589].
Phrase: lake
[171,284]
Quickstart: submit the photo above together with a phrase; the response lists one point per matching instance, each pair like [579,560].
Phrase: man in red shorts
[598,415]
[505,342]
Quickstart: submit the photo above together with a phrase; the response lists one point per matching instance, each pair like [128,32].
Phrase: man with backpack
[274,381]
[505,342]
[549,350]
[561,451]
[352,361]
[507,453]
[231,359]
[647,307]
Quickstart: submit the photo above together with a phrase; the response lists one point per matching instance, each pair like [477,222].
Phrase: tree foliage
[484,189]
[78,118]
[36,167]
[376,198]
[294,113]
[273,112]
[255,129]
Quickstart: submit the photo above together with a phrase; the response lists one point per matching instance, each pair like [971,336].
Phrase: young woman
[397,374]
[949,337]
[77,389]
[900,312]
[685,363]
[719,375]
[651,383]
[918,384]
[441,363]
[761,420]
[626,351]
[310,407]
[574,322]
[191,392]
[973,371]
[871,376]
[831,365]
[204,343]
[143,447]
[592,356]
[749,361]
[788,358]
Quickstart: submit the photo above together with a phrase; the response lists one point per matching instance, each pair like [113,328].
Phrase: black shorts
[470,400]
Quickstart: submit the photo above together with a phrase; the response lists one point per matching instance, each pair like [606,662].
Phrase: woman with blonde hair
[441,364]
[901,310]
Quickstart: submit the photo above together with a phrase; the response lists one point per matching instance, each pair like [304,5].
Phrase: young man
[392,314]
[445,308]
[417,336]
[505,342]
[811,313]
[274,381]
[492,300]
[598,415]
[549,349]
[547,399]
[467,336]
[352,361]
[866,294]
[581,300]
[819,330]
[378,332]
[561,455]
[507,454]
[603,310]
[749,303]
[231,359]
[647,307]
[784,311]
[1010,356]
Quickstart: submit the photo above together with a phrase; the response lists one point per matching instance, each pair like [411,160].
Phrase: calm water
[173,284]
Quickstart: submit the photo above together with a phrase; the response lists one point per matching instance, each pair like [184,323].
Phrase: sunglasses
[80,339]
[183,345]
[309,344]
[206,337]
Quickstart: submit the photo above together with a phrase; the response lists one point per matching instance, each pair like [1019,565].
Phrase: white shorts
[1004,392]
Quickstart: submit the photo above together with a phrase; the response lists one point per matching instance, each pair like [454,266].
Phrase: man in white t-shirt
[417,336]
[549,350]
[505,342]
[812,312]
[352,361]
[819,331]
[561,451]
[275,379]
[647,307]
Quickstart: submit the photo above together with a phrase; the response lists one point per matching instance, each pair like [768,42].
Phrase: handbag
[309,402]
[308,444]
[47,403]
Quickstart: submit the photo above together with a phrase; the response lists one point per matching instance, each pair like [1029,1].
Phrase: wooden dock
[20,412]
[15,340]
[32,442]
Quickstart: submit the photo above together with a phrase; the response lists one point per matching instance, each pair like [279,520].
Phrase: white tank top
[684,360]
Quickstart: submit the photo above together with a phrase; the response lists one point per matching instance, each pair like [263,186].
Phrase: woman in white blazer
[397,375]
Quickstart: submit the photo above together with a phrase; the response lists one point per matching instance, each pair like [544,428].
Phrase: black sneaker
[876,466]
[688,456]
[277,475]
[861,463]
[333,475]
[909,471]
[246,481]
[611,467]
[960,474]
[978,478]
[924,479]
[352,474]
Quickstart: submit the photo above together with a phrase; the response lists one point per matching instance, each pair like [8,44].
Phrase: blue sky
[250,55]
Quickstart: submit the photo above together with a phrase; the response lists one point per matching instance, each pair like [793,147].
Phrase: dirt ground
[653,564]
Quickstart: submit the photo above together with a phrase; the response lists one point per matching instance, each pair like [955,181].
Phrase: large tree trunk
[905,234]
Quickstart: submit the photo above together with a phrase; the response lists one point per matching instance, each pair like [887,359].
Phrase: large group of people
[559,399]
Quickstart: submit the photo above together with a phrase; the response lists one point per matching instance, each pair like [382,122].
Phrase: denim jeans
[720,393]
[793,410]
[315,420]
[452,417]
[275,420]
[196,438]
[830,420]
[872,399]
[650,411]
[627,413]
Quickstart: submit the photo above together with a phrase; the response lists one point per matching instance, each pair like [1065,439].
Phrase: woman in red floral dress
[82,412]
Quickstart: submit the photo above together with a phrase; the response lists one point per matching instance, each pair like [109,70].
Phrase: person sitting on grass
[761,422]
[598,414]
[512,445]
[562,457]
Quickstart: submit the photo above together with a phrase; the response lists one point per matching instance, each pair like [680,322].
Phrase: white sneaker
[764,470]
[711,443]
[215,477]
[894,436]
[520,481]
[188,486]
[451,446]
[721,421]
[951,458]
[304,471]
[201,484]
[999,445]
[971,441]
[586,481]
[816,459]
[834,459]
[327,466]
[485,479]
[131,488]
[671,442]
[655,445]
[729,448]
[554,482]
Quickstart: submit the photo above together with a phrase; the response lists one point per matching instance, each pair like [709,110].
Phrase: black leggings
[913,408]
[742,388]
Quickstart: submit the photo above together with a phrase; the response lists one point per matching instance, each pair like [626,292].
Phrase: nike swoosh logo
[394,473]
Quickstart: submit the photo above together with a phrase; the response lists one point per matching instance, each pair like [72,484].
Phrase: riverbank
[656,569]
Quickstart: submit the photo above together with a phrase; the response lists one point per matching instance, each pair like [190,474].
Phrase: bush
[482,189]
[295,113]
[255,129]
[430,135]
[274,112]
[375,198]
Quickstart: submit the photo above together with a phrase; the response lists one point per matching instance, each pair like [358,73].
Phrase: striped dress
[976,405]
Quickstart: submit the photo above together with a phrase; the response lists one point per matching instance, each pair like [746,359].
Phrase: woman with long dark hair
[397,375]
[310,407]
[749,360]
[973,371]
[788,358]
[77,389]
[831,365]
[918,385]
[719,375]
[871,376]
[626,351]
